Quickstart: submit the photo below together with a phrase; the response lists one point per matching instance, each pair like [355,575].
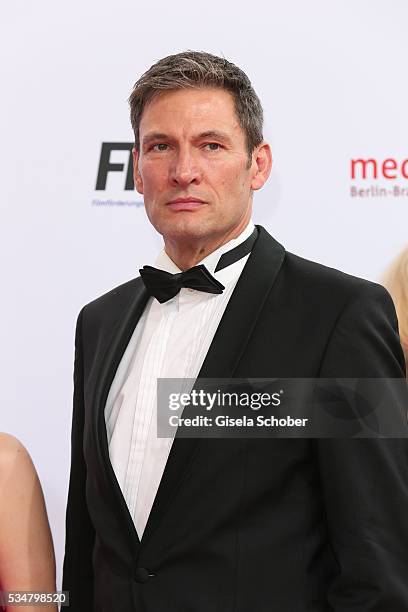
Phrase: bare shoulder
[11,446]
[15,460]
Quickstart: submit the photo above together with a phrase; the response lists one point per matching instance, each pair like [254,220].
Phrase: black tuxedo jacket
[247,525]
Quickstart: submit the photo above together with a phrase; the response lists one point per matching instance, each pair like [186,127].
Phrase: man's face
[192,147]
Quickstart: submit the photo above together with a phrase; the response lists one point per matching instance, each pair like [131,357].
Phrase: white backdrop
[332,80]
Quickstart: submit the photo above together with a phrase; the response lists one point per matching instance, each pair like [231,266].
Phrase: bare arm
[27,561]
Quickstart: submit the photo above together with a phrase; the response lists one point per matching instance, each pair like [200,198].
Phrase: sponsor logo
[115,176]
[378,178]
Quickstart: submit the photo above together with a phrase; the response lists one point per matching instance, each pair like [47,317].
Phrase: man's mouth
[189,204]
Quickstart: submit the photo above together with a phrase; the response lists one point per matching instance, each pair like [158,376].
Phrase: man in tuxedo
[239,524]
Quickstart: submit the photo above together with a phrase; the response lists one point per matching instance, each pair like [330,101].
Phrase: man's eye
[161,146]
[214,146]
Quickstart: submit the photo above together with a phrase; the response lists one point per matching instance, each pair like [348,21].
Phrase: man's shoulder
[314,271]
[299,277]
[116,298]
[309,276]
[321,287]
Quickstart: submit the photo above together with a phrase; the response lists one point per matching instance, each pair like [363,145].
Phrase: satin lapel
[120,337]
[223,356]
[244,307]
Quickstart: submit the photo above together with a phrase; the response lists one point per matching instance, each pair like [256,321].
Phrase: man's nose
[184,169]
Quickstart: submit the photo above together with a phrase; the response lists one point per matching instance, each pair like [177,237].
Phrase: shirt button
[142,574]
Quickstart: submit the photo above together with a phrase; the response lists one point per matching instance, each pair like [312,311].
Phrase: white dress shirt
[170,340]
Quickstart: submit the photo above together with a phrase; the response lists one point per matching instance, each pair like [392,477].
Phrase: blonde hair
[396,281]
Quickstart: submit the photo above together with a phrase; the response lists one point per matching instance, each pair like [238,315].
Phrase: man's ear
[262,162]
[137,179]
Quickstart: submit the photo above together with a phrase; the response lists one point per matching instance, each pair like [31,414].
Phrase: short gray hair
[198,69]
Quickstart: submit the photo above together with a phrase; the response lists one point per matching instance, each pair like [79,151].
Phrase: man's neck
[188,253]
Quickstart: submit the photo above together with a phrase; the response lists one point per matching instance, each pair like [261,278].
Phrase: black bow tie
[164,285]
